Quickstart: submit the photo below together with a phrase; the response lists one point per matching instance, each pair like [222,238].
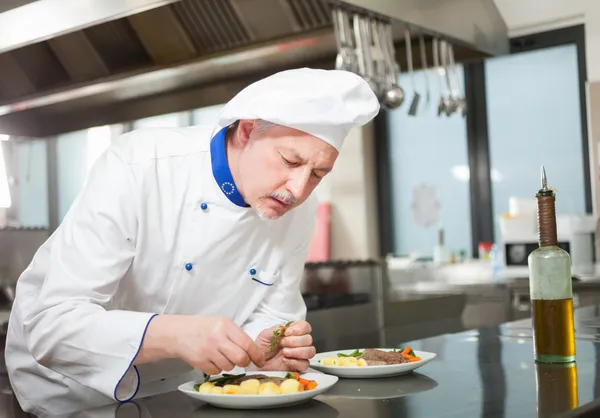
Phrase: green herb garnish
[355,353]
[278,333]
[220,381]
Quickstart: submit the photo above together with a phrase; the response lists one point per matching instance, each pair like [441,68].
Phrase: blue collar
[220,169]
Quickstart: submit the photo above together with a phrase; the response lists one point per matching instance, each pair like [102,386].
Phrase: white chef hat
[322,103]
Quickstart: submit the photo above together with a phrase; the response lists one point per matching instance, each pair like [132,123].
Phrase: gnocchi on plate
[256,385]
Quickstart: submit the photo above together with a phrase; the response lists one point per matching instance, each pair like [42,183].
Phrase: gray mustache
[286,198]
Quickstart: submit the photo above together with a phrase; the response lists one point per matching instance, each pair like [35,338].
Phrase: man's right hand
[214,344]
[211,344]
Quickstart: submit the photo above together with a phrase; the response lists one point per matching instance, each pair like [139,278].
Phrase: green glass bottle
[550,287]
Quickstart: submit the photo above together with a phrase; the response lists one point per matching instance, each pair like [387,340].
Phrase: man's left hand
[293,350]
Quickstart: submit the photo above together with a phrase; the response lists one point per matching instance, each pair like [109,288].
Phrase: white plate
[365,372]
[324,382]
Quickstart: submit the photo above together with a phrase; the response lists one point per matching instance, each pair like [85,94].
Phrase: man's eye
[315,175]
[288,162]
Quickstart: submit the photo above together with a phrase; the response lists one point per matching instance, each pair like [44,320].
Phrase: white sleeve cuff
[129,384]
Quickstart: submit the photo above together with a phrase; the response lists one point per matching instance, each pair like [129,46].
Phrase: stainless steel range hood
[72,64]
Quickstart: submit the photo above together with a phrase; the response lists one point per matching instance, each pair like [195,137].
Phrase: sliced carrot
[308,384]
[406,351]
[311,385]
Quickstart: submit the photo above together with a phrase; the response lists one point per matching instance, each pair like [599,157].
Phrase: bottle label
[550,278]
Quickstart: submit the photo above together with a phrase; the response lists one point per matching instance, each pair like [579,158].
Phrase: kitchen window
[24,180]
[526,109]
[534,119]
[430,171]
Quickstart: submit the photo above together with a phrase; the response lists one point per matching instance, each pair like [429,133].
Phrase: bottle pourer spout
[545,190]
[544,179]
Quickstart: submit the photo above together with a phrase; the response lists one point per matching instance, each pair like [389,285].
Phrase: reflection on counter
[174,405]
[384,388]
[556,389]
[340,283]
[339,293]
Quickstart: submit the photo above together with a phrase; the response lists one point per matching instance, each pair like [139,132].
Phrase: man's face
[279,167]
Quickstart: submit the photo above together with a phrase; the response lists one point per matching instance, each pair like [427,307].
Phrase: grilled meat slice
[379,358]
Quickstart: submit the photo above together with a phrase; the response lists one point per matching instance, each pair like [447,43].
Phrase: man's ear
[244,130]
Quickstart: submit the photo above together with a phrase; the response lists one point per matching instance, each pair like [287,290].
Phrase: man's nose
[298,182]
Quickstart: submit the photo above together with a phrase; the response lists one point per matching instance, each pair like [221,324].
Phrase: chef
[184,251]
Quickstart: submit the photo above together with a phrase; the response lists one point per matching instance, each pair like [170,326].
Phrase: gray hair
[261,126]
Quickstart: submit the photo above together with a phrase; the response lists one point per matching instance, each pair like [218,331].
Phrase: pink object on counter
[319,243]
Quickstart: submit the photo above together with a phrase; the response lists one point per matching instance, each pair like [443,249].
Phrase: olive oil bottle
[550,287]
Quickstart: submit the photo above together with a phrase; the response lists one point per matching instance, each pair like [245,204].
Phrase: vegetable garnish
[408,353]
[221,381]
[355,353]
[278,333]
[349,359]
[306,384]
[256,384]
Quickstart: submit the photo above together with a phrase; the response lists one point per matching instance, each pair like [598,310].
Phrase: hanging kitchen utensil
[449,103]
[412,110]
[363,48]
[346,57]
[454,94]
[389,36]
[377,57]
[337,30]
[393,95]
[360,56]
[455,90]
[350,43]
[425,70]
[461,103]
[440,70]
[369,61]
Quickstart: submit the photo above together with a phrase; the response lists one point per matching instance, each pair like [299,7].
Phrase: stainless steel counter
[488,372]
[485,372]
[488,301]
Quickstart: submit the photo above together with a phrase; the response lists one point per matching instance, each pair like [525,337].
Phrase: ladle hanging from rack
[392,95]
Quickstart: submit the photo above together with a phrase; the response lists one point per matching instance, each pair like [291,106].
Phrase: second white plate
[365,372]
[262,401]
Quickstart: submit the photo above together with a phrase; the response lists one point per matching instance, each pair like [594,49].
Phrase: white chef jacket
[159,228]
